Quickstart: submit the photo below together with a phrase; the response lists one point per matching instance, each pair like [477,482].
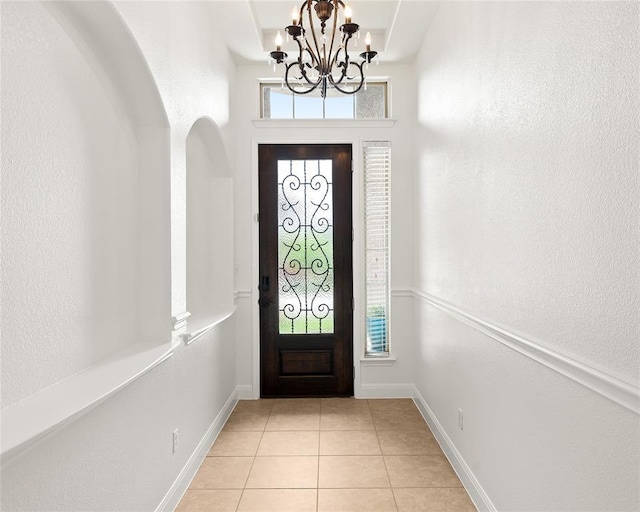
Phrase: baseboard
[244,392]
[469,481]
[181,484]
[385,391]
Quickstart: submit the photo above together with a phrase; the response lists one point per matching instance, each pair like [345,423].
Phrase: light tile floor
[325,455]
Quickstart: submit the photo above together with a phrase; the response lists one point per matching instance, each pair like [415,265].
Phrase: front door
[306,270]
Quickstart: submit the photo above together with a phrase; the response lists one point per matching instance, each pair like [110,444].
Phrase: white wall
[68,234]
[193,71]
[527,218]
[394,378]
[209,226]
[73,152]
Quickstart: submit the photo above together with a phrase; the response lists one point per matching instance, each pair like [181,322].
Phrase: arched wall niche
[85,213]
[110,48]
[209,226]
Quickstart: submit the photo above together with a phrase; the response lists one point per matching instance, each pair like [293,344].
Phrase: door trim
[358,251]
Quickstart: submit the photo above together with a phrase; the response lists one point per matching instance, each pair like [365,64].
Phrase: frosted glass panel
[305,246]
[370,103]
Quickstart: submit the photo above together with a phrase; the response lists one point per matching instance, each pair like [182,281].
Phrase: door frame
[358,248]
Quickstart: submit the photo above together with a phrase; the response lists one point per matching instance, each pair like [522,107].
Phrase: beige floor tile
[254,406]
[236,444]
[433,500]
[344,442]
[278,500]
[399,420]
[343,405]
[356,500]
[346,421]
[222,473]
[352,472]
[408,442]
[420,471]
[392,404]
[289,443]
[296,405]
[293,421]
[247,421]
[209,501]
[284,473]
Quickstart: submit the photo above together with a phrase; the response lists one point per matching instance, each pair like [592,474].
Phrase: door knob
[264,302]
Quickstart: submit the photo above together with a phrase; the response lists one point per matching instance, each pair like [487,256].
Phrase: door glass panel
[305,247]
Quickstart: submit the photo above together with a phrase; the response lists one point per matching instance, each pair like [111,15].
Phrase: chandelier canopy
[323,49]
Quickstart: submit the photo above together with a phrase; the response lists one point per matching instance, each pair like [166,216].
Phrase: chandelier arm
[299,39]
[342,48]
[304,71]
[330,60]
[344,65]
[313,33]
[343,91]
[313,85]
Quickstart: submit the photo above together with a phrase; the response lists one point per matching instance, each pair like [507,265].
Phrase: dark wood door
[306,270]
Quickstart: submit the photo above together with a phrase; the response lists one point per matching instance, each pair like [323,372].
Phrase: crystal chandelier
[323,59]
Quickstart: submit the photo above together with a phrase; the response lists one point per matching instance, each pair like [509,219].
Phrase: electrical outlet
[460,419]
[174,445]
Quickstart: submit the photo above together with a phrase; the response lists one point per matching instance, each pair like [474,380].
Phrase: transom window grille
[279,102]
[377,165]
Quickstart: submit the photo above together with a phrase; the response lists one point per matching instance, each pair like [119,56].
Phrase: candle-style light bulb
[278,42]
[347,14]
[295,16]
[367,41]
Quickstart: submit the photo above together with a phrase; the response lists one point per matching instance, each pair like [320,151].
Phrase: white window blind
[377,165]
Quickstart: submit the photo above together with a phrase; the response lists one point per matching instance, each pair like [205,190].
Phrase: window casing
[377,166]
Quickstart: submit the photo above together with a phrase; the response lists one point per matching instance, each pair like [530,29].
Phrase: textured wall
[209,225]
[529,177]
[527,197]
[69,183]
[193,73]
[117,457]
[69,214]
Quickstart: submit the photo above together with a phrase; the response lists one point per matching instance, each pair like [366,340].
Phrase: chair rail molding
[180,320]
[603,383]
[32,419]
[215,320]
[242,294]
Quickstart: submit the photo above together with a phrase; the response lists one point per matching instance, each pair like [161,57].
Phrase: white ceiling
[397,26]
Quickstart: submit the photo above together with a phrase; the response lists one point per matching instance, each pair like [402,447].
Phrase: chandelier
[323,59]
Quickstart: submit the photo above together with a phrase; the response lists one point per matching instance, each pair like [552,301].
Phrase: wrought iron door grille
[305,247]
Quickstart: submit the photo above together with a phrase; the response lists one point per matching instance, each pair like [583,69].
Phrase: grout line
[254,459]
[263,432]
[384,461]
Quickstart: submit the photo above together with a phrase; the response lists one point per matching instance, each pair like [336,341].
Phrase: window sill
[378,361]
[323,123]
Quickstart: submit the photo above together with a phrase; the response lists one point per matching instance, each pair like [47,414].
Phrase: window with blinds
[377,160]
